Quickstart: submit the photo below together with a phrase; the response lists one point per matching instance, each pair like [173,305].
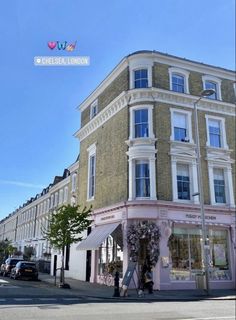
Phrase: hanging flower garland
[144,230]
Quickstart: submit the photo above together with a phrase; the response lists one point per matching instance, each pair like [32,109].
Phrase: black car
[9,264]
[25,269]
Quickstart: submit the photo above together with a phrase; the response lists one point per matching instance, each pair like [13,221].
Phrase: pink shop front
[179,243]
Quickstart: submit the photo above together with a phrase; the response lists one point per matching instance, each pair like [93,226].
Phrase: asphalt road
[29,300]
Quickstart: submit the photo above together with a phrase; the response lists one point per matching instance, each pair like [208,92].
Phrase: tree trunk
[62,275]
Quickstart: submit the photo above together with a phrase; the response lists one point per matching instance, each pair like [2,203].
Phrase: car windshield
[14,262]
[27,265]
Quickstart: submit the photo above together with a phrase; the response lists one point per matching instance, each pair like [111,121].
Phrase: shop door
[88,260]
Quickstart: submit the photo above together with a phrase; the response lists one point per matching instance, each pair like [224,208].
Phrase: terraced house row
[138,167]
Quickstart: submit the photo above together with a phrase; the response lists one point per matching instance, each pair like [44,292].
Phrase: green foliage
[6,249]
[66,225]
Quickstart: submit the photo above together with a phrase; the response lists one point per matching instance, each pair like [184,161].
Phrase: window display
[111,254]
[185,254]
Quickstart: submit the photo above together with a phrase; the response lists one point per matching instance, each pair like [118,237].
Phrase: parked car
[25,269]
[9,264]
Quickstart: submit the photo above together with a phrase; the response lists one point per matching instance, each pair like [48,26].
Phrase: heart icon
[52,45]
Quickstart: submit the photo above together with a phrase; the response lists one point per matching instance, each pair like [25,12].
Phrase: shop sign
[196,216]
[109,217]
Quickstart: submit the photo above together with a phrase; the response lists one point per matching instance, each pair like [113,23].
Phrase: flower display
[144,230]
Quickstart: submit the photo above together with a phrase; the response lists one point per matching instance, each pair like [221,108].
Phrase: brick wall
[111,184]
[120,84]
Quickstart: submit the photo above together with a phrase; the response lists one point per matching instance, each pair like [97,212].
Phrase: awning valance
[97,236]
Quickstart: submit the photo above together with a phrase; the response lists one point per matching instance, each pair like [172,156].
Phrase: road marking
[22,299]
[210,318]
[71,299]
[47,299]
[3,281]
[2,300]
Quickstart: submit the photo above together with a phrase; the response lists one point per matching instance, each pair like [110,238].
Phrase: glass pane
[179,249]
[180,134]
[141,123]
[178,83]
[211,85]
[215,140]
[141,78]
[219,269]
[195,251]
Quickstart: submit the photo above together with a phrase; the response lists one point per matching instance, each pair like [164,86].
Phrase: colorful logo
[61,45]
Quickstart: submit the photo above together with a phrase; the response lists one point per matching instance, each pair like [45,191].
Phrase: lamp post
[204,242]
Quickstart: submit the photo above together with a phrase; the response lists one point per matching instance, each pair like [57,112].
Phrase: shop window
[219,264]
[185,253]
[111,254]
[185,249]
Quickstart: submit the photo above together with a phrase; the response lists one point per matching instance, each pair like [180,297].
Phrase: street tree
[6,249]
[65,227]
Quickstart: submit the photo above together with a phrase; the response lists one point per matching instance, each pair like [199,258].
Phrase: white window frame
[73,182]
[217,81]
[182,73]
[56,199]
[150,158]
[192,179]
[188,115]
[65,198]
[229,193]
[224,144]
[91,153]
[137,65]
[150,121]
[60,196]
[92,106]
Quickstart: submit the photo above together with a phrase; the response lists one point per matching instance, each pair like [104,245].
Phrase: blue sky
[38,115]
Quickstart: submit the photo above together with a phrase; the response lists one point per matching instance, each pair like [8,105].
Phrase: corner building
[138,163]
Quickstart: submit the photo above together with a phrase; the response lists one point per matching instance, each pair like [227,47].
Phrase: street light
[204,242]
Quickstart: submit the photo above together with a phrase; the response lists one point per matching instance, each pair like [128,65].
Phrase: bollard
[116,285]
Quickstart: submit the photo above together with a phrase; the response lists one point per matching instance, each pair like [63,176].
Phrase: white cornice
[104,84]
[113,108]
[153,56]
[152,95]
[74,166]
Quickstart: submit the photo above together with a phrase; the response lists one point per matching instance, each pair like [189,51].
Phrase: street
[31,300]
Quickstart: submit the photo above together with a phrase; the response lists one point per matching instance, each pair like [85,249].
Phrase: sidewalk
[94,290]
